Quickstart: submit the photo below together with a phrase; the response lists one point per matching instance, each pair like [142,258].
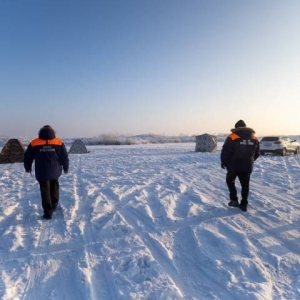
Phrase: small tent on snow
[206,143]
[78,147]
[12,152]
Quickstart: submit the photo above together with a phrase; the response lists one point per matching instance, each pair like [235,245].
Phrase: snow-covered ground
[151,222]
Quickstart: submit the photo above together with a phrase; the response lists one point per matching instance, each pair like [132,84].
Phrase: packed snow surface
[151,222]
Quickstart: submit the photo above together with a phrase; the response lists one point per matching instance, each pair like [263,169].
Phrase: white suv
[280,144]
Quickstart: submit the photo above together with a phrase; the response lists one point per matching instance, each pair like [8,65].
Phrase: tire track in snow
[34,268]
[293,171]
[15,207]
[187,175]
[157,251]
[28,227]
[280,189]
[188,250]
[276,242]
[177,270]
[278,233]
[97,280]
[46,259]
[123,198]
[141,223]
[56,273]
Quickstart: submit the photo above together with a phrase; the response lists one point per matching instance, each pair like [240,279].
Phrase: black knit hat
[240,123]
[47,132]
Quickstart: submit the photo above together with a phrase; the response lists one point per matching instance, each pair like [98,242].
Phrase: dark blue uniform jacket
[240,150]
[50,155]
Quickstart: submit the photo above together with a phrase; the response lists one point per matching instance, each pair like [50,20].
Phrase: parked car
[279,144]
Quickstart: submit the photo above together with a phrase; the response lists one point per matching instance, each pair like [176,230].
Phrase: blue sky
[149,66]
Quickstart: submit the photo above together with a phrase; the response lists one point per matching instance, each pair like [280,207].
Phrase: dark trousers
[50,195]
[244,179]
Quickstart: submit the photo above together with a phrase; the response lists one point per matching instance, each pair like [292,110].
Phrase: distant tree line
[114,139]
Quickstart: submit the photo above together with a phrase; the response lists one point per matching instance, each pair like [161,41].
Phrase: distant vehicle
[280,144]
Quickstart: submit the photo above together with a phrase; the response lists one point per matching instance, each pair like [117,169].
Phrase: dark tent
[206,143]
[78,147]
[12,152]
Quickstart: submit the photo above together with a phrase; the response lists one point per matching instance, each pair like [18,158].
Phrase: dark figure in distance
[240,150]
[51,157]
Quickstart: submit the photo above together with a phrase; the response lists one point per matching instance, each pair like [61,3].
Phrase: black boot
[233,203]
[47,216]
[243,205]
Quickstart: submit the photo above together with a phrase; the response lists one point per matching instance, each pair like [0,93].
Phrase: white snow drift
[151,222]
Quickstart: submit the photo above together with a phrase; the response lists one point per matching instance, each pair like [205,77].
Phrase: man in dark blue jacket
[240,150]
[51,156]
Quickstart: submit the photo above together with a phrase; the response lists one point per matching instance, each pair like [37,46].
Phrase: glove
[223,166]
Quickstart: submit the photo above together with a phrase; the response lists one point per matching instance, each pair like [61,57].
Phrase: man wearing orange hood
[240,150]
[51,157]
